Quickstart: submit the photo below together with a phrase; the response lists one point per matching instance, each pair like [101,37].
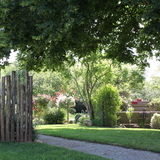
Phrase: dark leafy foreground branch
[48,33]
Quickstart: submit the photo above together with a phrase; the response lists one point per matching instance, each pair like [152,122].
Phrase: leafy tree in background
[88,75]
[128,77]
[49,32]
[129,80]
[93,71]
[7,70]
[47,82]
[151,89]
[4,49]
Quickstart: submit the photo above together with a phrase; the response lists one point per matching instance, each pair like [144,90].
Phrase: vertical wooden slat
[30,107]
[18,110]
[2,110]
[26,106]
[8,106]
[13,89]
[22,91]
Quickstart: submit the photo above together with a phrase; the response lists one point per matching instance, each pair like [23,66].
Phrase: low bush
[37,121]
[54,116]
[98,121]
[85,120]
[155,121]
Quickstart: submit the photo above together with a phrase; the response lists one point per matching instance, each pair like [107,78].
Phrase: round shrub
[155,121]
[38,121]
[54,116]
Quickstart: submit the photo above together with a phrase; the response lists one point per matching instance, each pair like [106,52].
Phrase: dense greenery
[154,104]
[107,102]
[145,139]
[40,105]
[48,32]
[88,75]
[83,80]
[54,116]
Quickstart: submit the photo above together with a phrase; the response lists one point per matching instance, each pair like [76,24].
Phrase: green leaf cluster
[49,32]
[108,102]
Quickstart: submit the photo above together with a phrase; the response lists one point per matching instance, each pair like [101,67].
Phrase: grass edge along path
[136,138]
[41,151]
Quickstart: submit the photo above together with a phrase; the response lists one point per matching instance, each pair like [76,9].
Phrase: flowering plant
[65,101]
[39,104]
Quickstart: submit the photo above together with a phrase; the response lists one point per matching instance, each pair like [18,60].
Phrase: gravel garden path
[107,151]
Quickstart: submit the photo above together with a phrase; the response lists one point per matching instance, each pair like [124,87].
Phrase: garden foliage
[66,102]
[155,121]
[154,104]
[129,113]
[84,120]
[107,103]
[54,116]
[40,104]
[126,100]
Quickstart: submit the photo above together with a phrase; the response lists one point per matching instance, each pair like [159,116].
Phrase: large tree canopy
[49,32]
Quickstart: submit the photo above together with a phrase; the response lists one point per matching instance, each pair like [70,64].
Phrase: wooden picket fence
[16,109]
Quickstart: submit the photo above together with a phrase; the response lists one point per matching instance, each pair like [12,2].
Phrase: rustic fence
[16,109]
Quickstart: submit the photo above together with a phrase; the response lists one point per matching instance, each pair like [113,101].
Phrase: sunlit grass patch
[145,139]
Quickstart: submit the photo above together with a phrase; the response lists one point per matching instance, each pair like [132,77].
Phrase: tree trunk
[91,111]
[67,114]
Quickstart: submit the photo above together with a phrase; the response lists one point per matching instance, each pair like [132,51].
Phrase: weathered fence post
[8,108]
[2,110]
[30,107]
[13,96]
[18,110]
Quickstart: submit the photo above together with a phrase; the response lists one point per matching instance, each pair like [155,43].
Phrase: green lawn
[40,151]
[145,139]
